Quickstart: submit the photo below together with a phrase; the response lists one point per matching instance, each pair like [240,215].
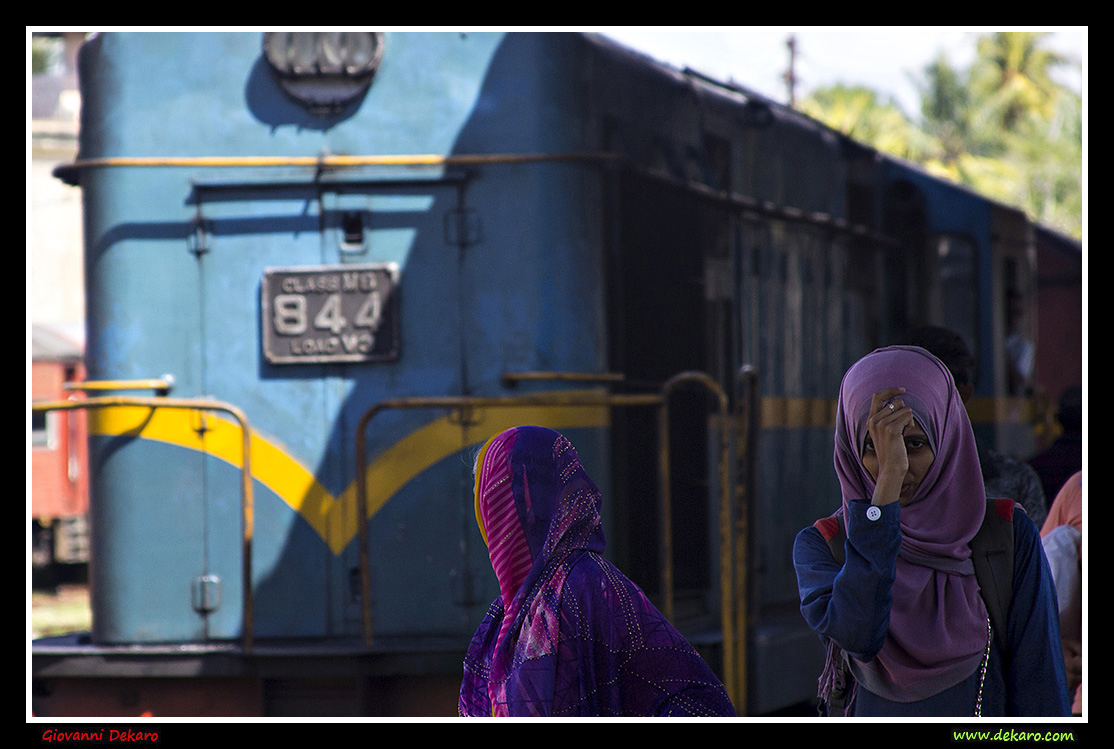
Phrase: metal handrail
[246,500]
[327,160]
[158,384]
[727,567]
[749,424]
[513,378]
[457,403]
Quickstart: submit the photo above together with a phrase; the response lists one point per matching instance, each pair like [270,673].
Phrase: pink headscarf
[570,634]
[498,519]
[938,621]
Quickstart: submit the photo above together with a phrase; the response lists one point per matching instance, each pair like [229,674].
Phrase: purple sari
[577,638]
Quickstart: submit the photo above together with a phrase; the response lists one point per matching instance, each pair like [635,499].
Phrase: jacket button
[873,512]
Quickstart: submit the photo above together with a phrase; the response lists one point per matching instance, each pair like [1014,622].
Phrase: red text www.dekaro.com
[99,736]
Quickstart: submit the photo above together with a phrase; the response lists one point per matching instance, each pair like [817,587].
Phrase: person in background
[907,628]
[1062,537]
[1064,456]
[569,634]
[1002,475]
[1021,353]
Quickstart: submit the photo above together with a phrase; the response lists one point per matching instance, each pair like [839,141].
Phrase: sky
[882,58]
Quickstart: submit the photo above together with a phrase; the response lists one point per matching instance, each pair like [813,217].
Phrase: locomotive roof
[736,94]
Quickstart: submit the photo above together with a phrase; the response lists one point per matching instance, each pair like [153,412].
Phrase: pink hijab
[497,516]
[938,622]
[569,634]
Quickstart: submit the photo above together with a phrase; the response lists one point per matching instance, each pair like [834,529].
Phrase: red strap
[828,527]
[1004,508]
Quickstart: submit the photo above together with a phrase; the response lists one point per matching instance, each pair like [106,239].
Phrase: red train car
[59,479]
[1060,333]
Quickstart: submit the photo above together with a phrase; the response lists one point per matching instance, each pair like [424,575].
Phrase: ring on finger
[891,407]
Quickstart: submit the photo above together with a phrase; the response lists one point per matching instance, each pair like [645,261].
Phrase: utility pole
[790,75]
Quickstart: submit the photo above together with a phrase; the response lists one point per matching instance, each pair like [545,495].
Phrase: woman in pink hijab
[569,634]
[907,630]
[1062,537]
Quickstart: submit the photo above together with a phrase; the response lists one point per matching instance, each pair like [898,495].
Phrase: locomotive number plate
[345,313]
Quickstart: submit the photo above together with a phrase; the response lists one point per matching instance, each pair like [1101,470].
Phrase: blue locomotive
[323,267]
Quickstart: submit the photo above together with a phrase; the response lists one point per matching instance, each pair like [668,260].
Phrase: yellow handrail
[736,687]
[455,402]
[746,450]
[246,504]
[158,384]
[337,160]
[513,378]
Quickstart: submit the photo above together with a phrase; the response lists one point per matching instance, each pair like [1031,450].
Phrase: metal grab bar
[456,402]
[161,385]
[325,161]
[513,378]
[246,501]
[746,452]
[732,641]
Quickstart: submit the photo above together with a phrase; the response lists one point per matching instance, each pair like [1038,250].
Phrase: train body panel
[177,275]
[480,205]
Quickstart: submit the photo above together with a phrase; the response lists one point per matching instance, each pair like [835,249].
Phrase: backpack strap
[991,554]
[831,528]
[842,683]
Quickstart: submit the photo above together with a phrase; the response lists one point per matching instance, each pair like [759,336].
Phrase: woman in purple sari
[907,628]
[569,634]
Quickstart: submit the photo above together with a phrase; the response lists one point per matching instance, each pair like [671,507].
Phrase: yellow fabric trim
[333,518]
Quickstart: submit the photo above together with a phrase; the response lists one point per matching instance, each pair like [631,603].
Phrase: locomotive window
[1020,352]
[957,291]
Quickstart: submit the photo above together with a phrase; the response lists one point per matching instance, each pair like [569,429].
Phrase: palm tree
[1003,127]
[945,105]
[1011,80]
[1022,116]
[859,112]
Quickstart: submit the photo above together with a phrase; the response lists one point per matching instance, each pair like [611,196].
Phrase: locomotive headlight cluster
[324,70]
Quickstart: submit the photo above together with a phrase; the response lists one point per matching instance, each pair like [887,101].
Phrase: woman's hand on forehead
[887,460]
